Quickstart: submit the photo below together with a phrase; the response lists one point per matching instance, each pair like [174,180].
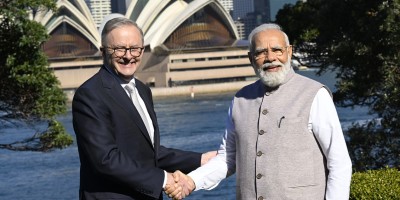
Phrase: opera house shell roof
[168,26]
[188,42]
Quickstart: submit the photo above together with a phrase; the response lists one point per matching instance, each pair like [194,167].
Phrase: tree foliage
[29,90]
[360,40]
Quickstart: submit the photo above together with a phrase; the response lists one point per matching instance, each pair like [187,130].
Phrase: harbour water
[195,124]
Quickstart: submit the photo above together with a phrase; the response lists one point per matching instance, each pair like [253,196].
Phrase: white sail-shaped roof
[157,18]
[81,19]
[150,12]
[163,22]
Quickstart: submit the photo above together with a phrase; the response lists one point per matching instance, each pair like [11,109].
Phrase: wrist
[192,183]
[169,180]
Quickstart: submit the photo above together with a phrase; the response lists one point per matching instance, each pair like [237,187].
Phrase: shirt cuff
[202,179]
[165,179]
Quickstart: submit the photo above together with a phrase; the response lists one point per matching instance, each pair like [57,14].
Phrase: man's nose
[128,54]
[270,57]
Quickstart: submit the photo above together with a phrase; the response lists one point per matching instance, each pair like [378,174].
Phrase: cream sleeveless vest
[276,156]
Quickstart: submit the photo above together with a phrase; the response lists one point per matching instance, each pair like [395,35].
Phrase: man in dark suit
[119,142]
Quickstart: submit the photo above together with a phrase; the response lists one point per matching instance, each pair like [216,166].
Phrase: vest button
[265,111]
[259,176]
[259,153]
[260,198]
[261,132]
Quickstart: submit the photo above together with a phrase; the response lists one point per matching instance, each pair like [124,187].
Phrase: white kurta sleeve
[223,165]
[325,125]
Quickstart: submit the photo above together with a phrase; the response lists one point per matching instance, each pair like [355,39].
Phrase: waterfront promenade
[199,89]
[190,90]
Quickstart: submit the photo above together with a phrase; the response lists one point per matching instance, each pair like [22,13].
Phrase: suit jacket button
[260,198]
[261,132]
[259,176]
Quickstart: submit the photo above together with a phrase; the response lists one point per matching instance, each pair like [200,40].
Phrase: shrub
[376,184]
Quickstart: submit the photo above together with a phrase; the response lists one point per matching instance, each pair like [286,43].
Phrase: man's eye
[258,53]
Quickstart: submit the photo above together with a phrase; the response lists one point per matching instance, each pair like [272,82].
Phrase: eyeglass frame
[119,49]
[264,52]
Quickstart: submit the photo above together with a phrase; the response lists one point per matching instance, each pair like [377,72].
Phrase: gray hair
[264,27]
[115,23]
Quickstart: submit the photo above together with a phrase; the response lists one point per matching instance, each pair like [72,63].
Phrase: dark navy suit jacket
[117,158]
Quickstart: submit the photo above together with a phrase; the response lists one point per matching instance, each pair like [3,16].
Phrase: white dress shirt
[143,105]
[141,102]
[323,123]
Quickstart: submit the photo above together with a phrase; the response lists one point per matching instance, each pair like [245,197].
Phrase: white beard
[273,79]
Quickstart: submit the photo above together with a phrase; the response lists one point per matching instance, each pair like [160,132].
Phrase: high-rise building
[228,5]
[251,13]
[240,29]
[120,6]
[99,9]
[241,8]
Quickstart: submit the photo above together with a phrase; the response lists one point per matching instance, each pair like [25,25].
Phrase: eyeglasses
[263,53]
[121,51]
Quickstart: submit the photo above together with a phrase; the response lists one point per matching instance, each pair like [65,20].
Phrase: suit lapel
[121,98]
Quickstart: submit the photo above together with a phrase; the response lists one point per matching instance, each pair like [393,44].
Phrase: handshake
[178,185]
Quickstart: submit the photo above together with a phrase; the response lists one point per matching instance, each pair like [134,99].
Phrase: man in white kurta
[283,137]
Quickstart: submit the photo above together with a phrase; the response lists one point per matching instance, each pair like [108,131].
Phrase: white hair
[264,27]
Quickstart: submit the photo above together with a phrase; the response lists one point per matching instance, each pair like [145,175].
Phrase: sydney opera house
[187,42]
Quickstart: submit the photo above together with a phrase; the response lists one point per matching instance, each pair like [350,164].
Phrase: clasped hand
[181,186]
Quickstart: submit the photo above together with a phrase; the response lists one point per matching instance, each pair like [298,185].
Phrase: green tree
[360,40]
[29,91]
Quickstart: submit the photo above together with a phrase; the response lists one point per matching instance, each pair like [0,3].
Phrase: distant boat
[299,62]
[302,67]
[297,66]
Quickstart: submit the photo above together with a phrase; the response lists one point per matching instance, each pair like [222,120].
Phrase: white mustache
[265,66]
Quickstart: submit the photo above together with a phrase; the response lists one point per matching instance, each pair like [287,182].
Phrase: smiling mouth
[266,68]
[127,62]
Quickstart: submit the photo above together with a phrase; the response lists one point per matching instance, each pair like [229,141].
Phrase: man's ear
[290,50]
[249,54]
[103,53]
